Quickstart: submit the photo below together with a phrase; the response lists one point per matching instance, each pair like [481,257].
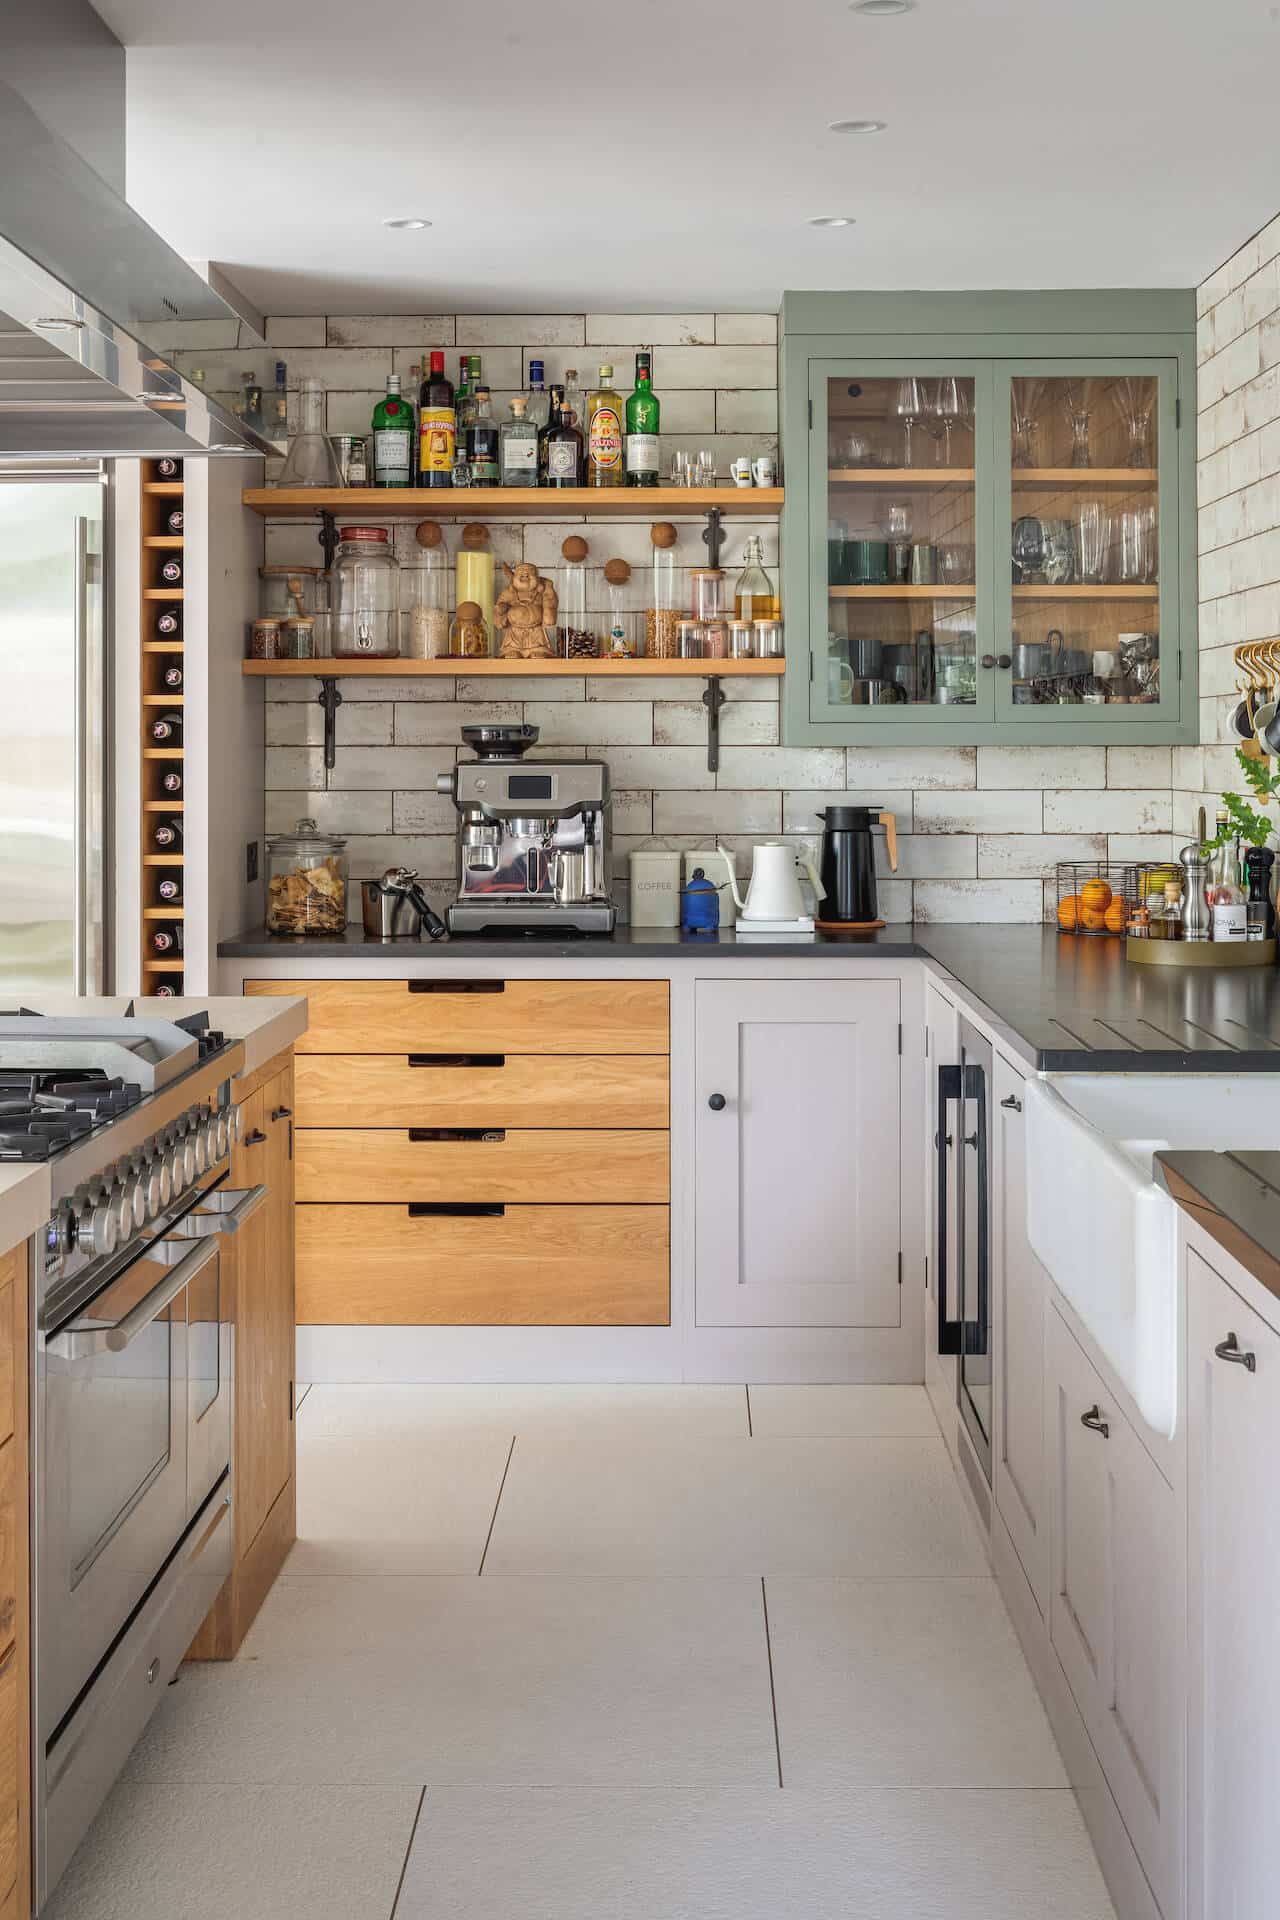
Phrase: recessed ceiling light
[411,226]
[831,220]
[880,8]
[857,126]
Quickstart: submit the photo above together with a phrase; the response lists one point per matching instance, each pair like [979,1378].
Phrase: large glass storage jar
[666,598]
[306,881]
[575,629]
[366,596]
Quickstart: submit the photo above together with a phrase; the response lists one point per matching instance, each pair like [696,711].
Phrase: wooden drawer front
[8,1351]
[11,1749]
[527,1090]
[529,1266]
[10,1517]
[554,1167]
[523,1016]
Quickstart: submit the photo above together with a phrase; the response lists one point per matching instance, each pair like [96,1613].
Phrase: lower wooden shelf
[482,669]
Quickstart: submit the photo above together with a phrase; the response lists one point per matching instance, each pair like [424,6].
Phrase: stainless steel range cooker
[132,1373]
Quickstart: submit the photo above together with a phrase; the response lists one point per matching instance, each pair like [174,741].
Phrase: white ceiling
[628,155]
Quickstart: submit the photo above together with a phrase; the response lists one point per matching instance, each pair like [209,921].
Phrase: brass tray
[1200,953]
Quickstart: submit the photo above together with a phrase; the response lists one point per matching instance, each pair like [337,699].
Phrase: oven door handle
[78,1343]
[228,1209]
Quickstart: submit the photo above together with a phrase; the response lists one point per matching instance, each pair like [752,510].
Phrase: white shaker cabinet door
[1020,1284]
[798,1168]
[1233,1445]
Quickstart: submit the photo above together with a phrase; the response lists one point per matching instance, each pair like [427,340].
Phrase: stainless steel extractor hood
[84,286]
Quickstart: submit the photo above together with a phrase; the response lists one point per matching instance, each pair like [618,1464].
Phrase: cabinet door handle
[455,1209]
[282,1113]
[1095,1422]
[457,1059]
[1230,1349]
[717,1103]
[1004,660]
[1012,1102]
[457,986]
[255,1139]
[419,1134]
[988,661]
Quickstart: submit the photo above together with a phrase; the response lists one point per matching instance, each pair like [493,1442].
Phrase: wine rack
[162,669]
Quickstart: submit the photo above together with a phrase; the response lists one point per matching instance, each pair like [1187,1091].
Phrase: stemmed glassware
[1027,395]
[1135,399]
[909,406]
[1075,401]
[948,408]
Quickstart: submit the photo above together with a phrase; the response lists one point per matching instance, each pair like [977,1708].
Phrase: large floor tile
[587,1413]
[904,1683]
[533,1682]
[240,1853]
[734,1506]
[408,1500]
[841,1413]
[752,1855]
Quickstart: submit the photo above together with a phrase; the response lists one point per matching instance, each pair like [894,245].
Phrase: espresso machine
[533,839]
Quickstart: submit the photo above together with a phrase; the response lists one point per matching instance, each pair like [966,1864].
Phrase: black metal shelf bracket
[713,700]
[330,699]
[713,536]
[328,535]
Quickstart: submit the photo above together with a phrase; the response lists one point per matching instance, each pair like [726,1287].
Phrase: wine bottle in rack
[171,676]
[169,623]
[171,571]
[168,468]
[171,783]
[168,989]
[169,889]
[166,730]
[166,941]
[166,836]
[173,521]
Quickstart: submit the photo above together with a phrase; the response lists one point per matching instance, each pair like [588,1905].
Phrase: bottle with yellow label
[604,434]
[437,427]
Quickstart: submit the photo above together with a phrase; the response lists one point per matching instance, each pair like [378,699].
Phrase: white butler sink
[1100,1225]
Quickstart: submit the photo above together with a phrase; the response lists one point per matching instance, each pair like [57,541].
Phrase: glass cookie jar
[306,881]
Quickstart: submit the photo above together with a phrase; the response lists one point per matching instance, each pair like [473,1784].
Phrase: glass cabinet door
[1089,456]
[900,456]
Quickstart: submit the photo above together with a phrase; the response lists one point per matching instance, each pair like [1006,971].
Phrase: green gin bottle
[642,428]
[393,438]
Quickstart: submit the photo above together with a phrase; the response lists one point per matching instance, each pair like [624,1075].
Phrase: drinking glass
[1093,538]
[1137,539]
[1028,549]
[706,468]
[897,520]
[909,406]
[1075,401]
[1027,395]
[1135,400]
[948,409]
[680,474]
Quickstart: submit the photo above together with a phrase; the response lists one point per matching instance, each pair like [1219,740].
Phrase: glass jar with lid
[306,881]
[425,598]
[666,601]
[366,596]
[576,637]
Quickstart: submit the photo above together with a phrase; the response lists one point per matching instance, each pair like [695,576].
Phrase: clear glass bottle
[1166,913]
[537,400]
[310,461]
[1228,903]
[425,597]
[754,594]
[666,602]
[251,400]
[482,442]
[280,422]
[393,438]
[366,596]
[620,635]
[575,400]
[470,635]
[519,447]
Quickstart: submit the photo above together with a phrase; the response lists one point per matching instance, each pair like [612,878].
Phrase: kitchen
[688,872]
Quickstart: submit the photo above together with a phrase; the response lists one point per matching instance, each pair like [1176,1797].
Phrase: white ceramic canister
[712,864]
[655,887]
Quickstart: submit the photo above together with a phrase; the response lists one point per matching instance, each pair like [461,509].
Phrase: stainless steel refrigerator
[54,732]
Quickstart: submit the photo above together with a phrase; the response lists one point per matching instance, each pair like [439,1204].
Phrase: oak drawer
[557,1166]
[523,1090]
[8,1351]
[521,1265]
[479,1016]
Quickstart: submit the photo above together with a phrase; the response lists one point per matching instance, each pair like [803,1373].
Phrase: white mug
[1106,666]
[839,680]
[762,470]
[741,471]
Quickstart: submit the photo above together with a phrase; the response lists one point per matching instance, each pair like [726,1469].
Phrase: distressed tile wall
[981,828]
[1238,488]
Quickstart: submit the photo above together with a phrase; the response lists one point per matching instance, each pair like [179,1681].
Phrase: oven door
[115,1499]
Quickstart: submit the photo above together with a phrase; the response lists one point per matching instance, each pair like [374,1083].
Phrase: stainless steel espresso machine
[533,839]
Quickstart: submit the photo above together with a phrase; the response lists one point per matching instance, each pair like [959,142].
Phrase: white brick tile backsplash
[676,811]
[332,812]
[913,767]
[1142,846]
[1067,766]
[893,897]
[1020,856]
[632,811]
[295,767]
[358,725]
[419,810]
[362,769]
[391,330]
[521,330]
[1113,811]
[651,329]
[800,807]
[655,767]
[930,856]
[749,410]
[436,725]
[433,855]
[996,810]
[286,330]
[989,900]
[746,329]
[714,367]
[781,767]
[742,723]
[1139,766]
[593,723]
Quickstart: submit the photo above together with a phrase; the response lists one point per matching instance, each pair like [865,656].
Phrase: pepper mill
[1196,923]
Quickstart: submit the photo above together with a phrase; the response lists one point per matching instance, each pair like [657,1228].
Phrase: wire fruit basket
[1096,897]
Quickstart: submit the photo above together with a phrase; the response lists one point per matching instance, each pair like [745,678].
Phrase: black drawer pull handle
[455,1210]
[1095,1422]
[255,1139]
[282,1113]
[1012,1102]
[717,1103]
[1230,1349]
[457,1059]
[457,986]
[496,1134]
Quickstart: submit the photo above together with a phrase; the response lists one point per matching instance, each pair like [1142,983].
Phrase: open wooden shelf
[164,966]
[1084,477]
[902,593]
[169,540]
[511,503]
[164,489]
[969,592]
[162,859]
[480,669]
[162,806]
[162,593]
[162,646]
[162,699]
[162,913]
[1087,593]
[899,477]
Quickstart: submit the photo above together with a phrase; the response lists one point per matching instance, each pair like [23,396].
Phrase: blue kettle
[699,905]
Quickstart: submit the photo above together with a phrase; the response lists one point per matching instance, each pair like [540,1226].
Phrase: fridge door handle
[949,1091]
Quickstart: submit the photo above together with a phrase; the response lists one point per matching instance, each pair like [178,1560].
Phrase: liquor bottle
[169,623]
[166,836]
[1260,914]
[753,593]
[437,426]
[171,783]
[251,400]
[575,400]
[167,940]
[465,405]
[1228,907]
[169,889]
[519,444]
[171,571]
[564,450]
[555,401]
[482,442]
[537,399]
[167,468]
[171,676]
[173,521]
[166,730]
[392,438]
[604,433]
[280,426]
[642,428]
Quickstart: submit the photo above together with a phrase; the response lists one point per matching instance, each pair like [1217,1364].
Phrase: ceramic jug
[774,890]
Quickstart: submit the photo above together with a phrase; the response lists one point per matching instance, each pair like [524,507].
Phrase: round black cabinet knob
[716,1103]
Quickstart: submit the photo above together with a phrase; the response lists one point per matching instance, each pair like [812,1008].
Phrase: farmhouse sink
[1098,1223]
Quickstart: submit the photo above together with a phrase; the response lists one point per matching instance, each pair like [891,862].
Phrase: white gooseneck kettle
[773,895]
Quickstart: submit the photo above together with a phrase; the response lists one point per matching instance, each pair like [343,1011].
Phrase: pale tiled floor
[731,1657]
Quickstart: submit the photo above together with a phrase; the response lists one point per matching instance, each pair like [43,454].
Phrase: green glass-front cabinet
[990,517]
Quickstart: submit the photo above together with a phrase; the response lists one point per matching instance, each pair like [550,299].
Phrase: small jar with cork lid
[620,635]
[425,616]
[665,609]
[575,639]
[469,634]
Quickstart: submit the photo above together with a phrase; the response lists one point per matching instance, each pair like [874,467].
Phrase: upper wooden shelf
[898,476]
[1085,477]
[511,503]
[480,669]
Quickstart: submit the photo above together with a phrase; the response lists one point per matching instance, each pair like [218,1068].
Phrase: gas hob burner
[43,1110]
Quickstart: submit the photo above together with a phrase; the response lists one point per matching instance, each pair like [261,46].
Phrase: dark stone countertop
[1235,1197]
[1064,1003]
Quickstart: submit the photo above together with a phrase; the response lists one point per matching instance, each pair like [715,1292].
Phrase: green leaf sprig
[1245,822]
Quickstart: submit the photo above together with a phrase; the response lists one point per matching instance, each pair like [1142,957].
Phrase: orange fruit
[1117,915]
[1095,894]
[1093,919]
[1069,913]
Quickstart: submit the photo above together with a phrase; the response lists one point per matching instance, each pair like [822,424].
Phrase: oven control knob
[235,1124]
[221,1134]
[209,1141]
[134,1203]
[177,1177]
[121,1205]
[96,1227]
[162,1173]
[199,1147]
[149,1178]
[187,1159]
